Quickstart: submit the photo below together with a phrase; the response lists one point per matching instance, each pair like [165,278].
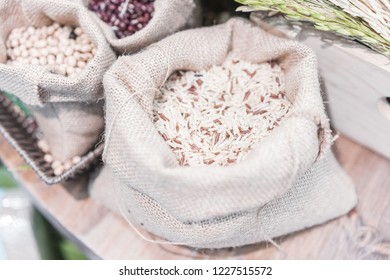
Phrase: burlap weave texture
[289,181]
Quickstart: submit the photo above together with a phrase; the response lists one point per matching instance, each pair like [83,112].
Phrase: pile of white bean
[64,48]
[57,166]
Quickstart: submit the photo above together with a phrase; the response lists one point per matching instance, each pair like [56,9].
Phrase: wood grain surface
[362,234]
[356,90]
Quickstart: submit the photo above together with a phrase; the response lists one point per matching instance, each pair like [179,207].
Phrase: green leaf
[18,103]
[7,181]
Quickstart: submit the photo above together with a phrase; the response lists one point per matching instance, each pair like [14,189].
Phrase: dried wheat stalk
[366,21]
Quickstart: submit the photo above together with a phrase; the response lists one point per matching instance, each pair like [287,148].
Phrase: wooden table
[362,234]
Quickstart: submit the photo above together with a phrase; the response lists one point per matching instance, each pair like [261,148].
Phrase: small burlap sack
[289,181]
[169,16]
[66,108]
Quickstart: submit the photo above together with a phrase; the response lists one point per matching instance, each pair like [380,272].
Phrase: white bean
[71,61]
[60,58]
[62,70]
[56,25]
[44,52]
[33,38]
[34,61]
[51,59]
[59,170]
[53,50]
[42,60]
[14,43]
[86,49]
[22,48]
[52,41]
[30,30]
[77,55]
[56,164]
[78,31]
[50,45]
[68,51]
[42,144]
[28,44]
[48,158]
[17,52]
[67,164]
[24,54]
[50,30]
[70,70]
[34,52]
[76,159]
[81,64]
[65,42]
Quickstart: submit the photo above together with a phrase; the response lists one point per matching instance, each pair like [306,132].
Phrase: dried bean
[55,46]
[48,158]
[59,170]
[56,164]
[42,144]
[76,160]
[126,17]
[67,165]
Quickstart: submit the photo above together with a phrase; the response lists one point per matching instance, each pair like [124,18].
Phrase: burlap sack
[288,182]
[169,16]
[323,193]
[101,189]
[66,109]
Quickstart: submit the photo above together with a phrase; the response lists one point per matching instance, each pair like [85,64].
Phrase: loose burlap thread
[289,181]
[169,16]
[67,109]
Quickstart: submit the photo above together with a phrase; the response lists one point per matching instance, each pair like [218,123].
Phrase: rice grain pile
[214,117]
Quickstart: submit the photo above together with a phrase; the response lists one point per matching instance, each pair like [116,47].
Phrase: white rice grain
[214,117]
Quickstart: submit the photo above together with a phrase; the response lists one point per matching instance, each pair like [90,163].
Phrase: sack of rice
[218,137]
[53,57]
[133,24]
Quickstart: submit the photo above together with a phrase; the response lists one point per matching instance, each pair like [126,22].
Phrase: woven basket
[22,133]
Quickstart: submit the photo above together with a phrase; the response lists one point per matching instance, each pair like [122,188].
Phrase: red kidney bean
[126,17]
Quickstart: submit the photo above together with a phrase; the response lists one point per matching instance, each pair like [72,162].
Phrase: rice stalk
[366,21]
[375,12]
